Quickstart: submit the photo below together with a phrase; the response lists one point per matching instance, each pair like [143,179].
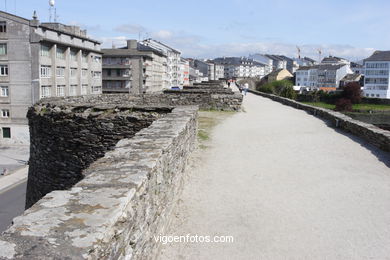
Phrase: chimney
[132,44]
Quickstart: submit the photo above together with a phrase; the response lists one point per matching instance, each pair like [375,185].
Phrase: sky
[351,29]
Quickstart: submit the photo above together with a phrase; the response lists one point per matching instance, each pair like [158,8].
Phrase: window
[96,74]
[3,70]
[3,49]
[97,59]
[377,95]
[73,90]
[377,80]
[4,91]
[60,53]
[45,51]
[84,73]
[45,71]
[6,132]
[60,91]
[85,57]
[45,91]
[60,72]
[73,55]
[3,26]
[5,113]
[84,89]
[73,72]
[96,90]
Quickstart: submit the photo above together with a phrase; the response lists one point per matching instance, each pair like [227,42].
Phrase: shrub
[353,92]
[266,88]
[288,92]
[343,104]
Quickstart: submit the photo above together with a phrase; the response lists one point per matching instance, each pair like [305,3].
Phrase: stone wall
[370,133]
[126,196]
[66,140]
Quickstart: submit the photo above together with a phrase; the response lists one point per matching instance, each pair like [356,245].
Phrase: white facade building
[376,83]
[240,67]
[324,77]
[172,75]
[306,77]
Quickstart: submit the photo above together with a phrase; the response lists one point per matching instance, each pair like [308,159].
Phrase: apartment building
[329,76]
[184,72]
[306,76]
[277,61]
[376,71]
[335,60]
[266,62]
[39,60]
[324,77]
[219,71]
[134,69]
[239,67]
[172,74]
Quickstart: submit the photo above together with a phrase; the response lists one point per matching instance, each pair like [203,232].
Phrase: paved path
[286,186]
[12,204]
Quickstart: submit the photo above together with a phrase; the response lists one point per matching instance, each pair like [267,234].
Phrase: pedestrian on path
[246,87]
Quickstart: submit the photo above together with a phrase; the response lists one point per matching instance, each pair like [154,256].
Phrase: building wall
[172,62]
[24,39]
[18,81]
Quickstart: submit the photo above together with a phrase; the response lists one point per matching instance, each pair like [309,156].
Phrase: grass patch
[354,107]
[320,104]
[371,107]
[207,121]
[203,135]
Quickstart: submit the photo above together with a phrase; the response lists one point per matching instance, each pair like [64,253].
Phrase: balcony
[116,66]
[114,77]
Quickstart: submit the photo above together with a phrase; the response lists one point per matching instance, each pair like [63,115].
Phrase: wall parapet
[125,198]
[372,134]
[205,99]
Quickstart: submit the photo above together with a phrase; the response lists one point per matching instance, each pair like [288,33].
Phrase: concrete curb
[13,179]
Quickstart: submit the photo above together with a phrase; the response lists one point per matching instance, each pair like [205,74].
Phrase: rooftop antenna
[5,5]
[53,11]
[299,52]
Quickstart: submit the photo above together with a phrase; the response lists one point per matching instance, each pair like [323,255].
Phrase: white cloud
[109,42]
[162,34]
[243,49]
[130,28]
[194,46]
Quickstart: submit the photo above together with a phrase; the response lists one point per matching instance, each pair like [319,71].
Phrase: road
[285,186]
[11,204]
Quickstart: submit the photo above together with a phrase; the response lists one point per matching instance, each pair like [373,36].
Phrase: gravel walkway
[286,186]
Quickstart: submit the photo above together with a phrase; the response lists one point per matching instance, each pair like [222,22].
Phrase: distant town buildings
[376,71]
[325,76]
[39,60]
[209,69]
[240,67]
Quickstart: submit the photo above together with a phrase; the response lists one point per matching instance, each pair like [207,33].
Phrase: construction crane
[299,52]
[319,55]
